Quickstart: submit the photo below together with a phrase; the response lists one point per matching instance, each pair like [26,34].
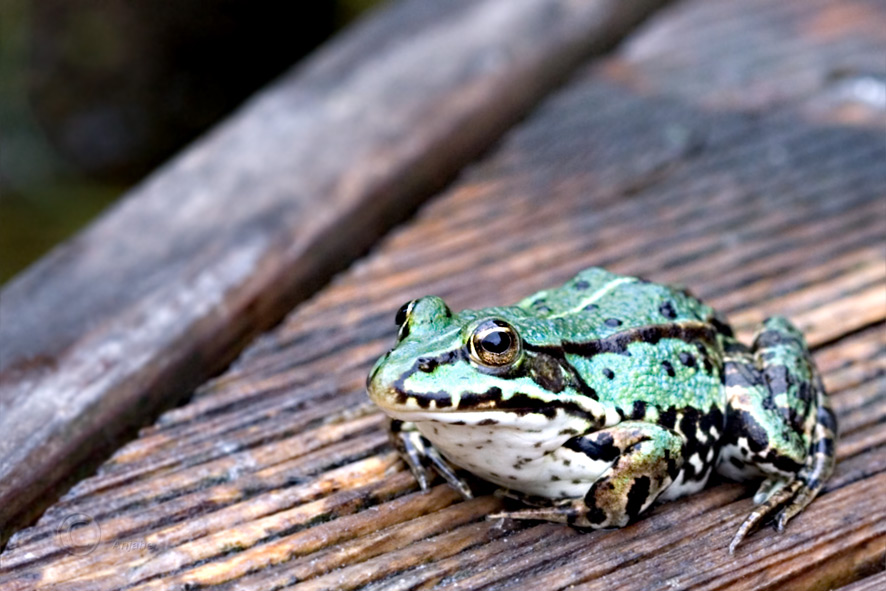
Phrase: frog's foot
[421,456]
[772,495]
[793,496]
[779,422]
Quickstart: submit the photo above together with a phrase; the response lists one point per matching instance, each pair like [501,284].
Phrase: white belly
[520,453]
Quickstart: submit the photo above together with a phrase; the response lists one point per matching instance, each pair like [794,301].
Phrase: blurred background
[94,94]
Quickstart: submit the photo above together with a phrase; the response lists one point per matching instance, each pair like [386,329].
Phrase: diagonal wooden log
[170,284]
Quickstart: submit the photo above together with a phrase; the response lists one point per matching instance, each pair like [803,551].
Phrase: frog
[593,401]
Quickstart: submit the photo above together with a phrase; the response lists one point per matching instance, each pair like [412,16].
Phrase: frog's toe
[447,471]
[768,488]
[801,499]
[779,493]
[421,456]
[413,450]
[571,511]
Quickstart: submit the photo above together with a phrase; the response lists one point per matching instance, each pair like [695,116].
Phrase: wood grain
[276,474]
[167,287]
[873,583]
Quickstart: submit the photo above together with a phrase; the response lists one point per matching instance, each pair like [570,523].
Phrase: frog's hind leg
[646,459]
[779,423]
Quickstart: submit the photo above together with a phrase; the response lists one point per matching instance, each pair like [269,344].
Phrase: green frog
[593,400]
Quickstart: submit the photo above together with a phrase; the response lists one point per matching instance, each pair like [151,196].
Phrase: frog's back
[596,303]
[649,350]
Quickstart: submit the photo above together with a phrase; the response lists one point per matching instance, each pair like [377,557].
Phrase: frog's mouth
[393,401]
[473,418]
[485,408]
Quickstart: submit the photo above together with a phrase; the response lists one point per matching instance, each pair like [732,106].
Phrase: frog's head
[450,367]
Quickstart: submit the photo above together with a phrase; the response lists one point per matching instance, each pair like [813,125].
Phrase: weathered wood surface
[873,583]
[277,474]
[218,245]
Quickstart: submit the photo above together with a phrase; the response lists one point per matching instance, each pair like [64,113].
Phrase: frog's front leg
[645,457]
[420,455]
[779,423]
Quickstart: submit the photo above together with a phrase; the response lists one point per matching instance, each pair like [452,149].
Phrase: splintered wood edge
[169,285]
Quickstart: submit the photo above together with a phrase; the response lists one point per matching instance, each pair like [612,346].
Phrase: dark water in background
[94,94]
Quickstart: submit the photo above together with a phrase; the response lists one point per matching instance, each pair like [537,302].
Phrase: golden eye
[495,343]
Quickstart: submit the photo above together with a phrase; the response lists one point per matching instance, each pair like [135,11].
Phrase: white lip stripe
[596,296]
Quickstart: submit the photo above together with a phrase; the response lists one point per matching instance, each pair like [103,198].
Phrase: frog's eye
[403,313]
[495,343]
[401,318]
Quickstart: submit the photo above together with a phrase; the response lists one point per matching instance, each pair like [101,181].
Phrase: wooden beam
[173,281]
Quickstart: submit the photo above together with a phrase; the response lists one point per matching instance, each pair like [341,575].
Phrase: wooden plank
[817,70]
[167,287]
[277,475]
[873,583]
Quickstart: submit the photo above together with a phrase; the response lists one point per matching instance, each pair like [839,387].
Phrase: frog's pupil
[400,318]
[497,341]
